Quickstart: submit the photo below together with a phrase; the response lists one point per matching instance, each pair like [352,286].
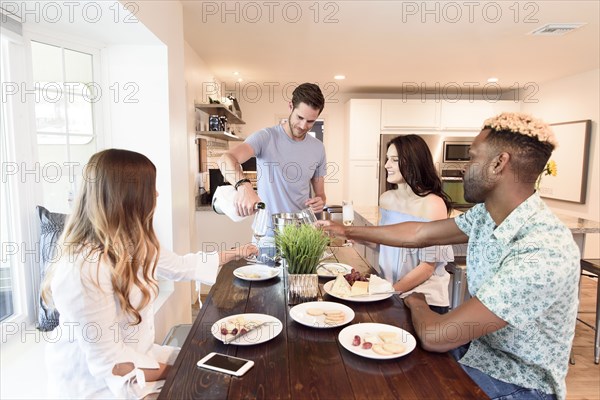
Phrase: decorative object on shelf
[214,123]
[220,109]
[223,125]
[549,169]
[301,246]
[236,106]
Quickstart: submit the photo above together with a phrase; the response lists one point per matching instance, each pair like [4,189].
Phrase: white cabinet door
[465,114]
[363,182]
[363,118]
[413,114]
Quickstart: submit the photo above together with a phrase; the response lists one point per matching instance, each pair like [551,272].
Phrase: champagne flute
[347,217]
[309,216]
[347,212]
[260,224]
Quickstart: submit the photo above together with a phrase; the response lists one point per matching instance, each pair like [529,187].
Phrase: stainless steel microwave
[456,151]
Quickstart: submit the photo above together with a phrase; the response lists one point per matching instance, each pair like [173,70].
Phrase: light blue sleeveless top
[396,262]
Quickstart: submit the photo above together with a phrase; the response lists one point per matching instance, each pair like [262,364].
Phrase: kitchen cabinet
[470,115]
[363,181]
[410,114]
[221,111]
[363,119]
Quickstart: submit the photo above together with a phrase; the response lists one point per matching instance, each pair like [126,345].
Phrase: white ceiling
[382,45]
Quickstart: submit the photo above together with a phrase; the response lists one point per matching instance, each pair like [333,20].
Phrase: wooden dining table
[306,362]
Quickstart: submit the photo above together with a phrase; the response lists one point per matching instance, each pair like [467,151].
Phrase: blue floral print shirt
[526,271]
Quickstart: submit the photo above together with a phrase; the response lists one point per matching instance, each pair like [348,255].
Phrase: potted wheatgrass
[301,246]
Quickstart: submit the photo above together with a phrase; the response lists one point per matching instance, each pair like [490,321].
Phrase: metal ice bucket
[280,220]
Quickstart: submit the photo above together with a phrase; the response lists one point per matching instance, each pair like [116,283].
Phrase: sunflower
[550,168]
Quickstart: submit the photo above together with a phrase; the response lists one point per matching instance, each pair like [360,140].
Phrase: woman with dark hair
[104,284]
[415,195]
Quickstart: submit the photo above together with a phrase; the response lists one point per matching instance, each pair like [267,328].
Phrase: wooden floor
[583,380]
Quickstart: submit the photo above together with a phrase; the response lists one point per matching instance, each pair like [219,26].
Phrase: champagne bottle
[222,203]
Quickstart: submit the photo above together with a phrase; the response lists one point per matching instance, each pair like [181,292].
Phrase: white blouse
[95,334]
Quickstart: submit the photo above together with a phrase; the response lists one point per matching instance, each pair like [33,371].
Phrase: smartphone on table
[226,364]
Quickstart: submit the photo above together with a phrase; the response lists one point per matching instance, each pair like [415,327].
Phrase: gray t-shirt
[285,167]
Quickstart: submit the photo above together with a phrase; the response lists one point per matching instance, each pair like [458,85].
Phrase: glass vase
[302,288]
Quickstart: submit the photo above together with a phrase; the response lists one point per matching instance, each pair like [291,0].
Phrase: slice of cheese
[341,287]
[359,288]
[378,285]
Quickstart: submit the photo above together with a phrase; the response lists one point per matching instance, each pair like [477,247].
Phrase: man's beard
[292,129]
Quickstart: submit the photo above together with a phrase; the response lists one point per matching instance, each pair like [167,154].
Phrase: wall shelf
[220,110]
[223,135]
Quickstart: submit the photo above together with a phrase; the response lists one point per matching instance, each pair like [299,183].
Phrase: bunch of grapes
[354,276]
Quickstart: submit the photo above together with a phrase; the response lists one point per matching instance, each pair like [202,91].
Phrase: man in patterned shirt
[514,336]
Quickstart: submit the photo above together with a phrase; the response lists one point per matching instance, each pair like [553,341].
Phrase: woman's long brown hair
[416,166]
[112,217]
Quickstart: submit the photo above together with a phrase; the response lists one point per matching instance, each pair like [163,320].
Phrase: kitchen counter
[579,226]
[575,224]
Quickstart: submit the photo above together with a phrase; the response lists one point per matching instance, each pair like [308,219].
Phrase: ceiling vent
[556,29]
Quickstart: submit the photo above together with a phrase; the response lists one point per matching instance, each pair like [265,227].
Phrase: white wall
[140,121]
[575,98]
[198,79]
[165,20]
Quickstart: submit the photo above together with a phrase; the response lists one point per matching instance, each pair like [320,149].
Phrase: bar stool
[177,335]
[593,266]
[458,289]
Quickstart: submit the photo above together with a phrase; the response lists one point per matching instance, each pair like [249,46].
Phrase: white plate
[346,336]
[326,254]
[268,331]
[300,315]
[358,299]
[332,266]
[256,272]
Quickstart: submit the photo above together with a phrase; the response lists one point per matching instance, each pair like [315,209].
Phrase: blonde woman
[104,284]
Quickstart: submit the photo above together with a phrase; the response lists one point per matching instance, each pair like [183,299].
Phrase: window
[6,231]
[41,162]
[13,289]
[65,94]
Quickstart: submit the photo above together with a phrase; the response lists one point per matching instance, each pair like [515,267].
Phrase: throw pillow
[51,226]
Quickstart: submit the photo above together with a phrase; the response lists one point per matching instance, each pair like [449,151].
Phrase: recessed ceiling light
[492,80]
[236,73]
[240,79]
[339,77]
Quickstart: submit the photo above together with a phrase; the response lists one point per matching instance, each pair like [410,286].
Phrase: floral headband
[522,124]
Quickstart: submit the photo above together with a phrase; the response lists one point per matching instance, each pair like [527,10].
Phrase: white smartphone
[226,364]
